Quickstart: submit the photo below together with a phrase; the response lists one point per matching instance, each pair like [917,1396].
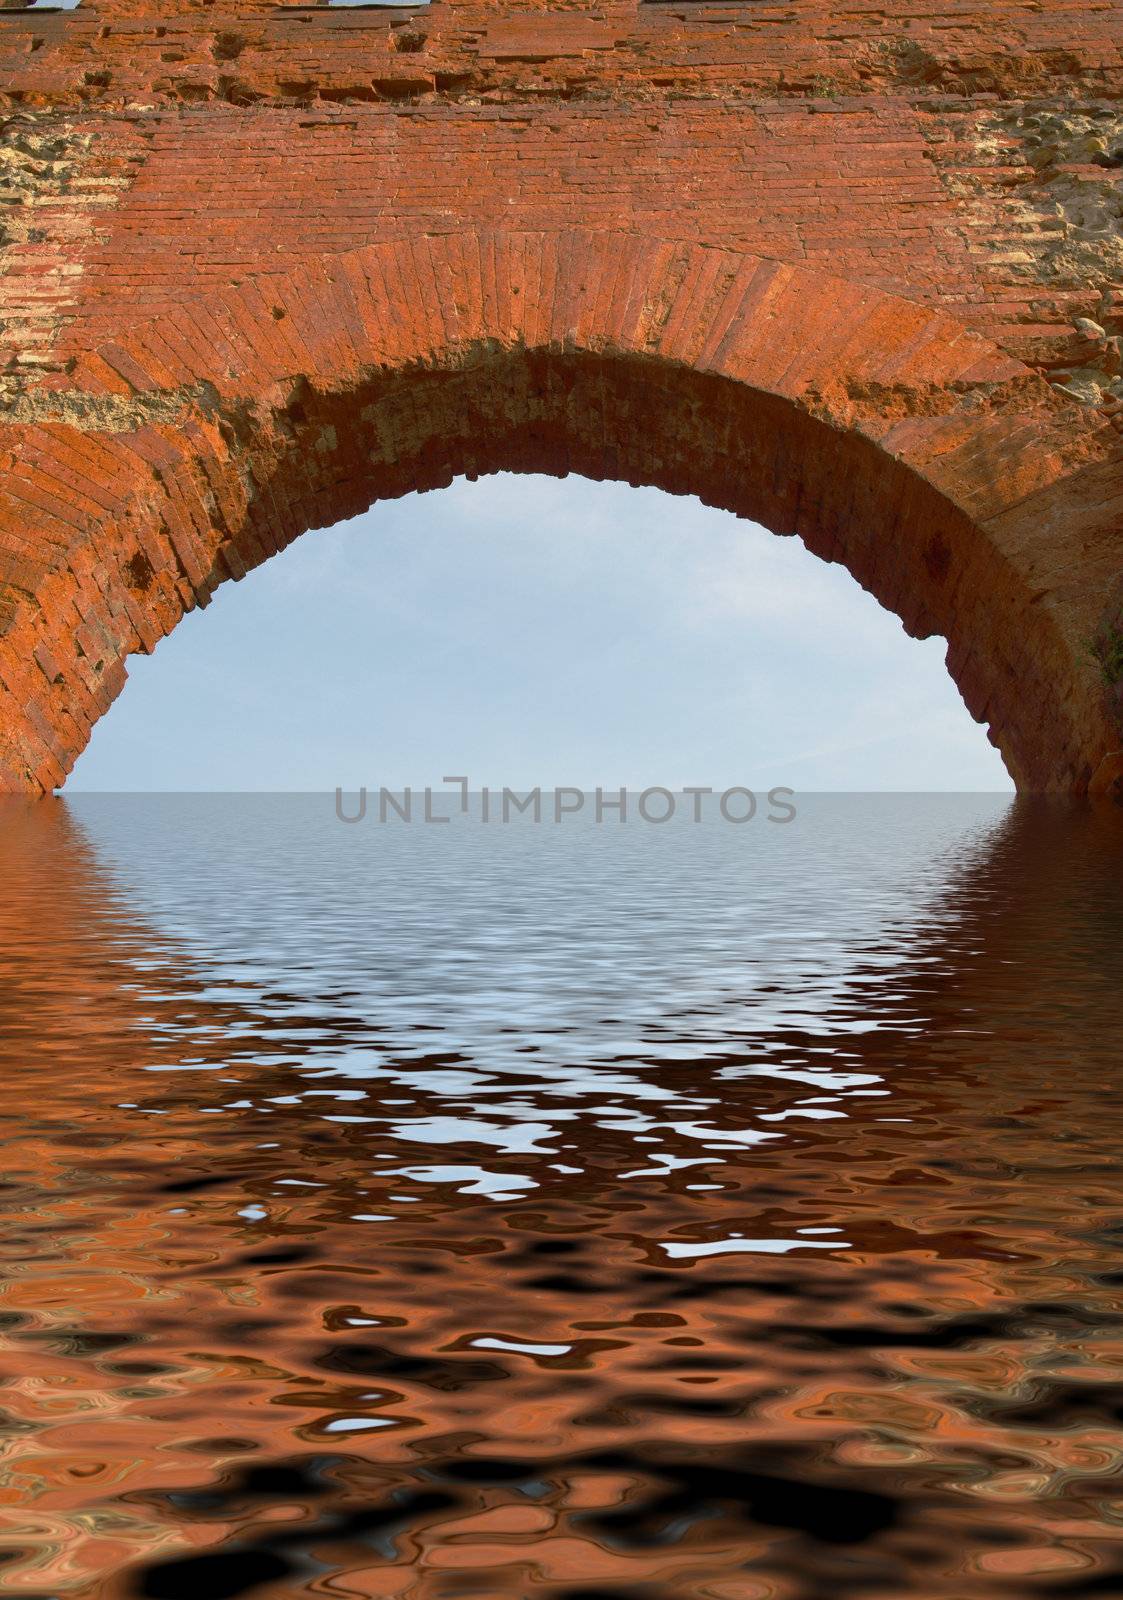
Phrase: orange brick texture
[854,271]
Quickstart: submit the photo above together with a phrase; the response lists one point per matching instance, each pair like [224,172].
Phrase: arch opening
[534,632]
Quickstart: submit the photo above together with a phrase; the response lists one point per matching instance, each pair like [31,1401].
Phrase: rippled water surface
[561,1211]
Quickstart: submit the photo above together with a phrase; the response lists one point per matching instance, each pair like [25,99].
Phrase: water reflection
[561,1212]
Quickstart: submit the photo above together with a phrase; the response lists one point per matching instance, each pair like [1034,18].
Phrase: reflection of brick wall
[153,152]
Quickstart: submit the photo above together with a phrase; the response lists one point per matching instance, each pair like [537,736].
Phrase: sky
[526,631]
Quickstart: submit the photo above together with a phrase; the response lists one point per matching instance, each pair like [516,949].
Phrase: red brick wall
[167,166]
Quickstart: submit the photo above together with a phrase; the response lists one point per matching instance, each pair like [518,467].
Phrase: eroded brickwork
[854,270]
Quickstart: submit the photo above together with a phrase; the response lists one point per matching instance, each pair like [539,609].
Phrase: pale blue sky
[528,631]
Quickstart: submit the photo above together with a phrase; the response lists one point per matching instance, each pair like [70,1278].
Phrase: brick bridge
[852,270]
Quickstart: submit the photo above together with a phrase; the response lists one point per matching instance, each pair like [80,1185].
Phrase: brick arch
[954,484]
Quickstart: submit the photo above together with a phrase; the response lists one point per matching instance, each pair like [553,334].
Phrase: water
[557,1212]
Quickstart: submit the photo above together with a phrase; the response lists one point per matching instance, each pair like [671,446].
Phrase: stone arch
[953,483]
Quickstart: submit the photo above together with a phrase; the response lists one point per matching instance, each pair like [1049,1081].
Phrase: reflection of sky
[528,631]
[435,993]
